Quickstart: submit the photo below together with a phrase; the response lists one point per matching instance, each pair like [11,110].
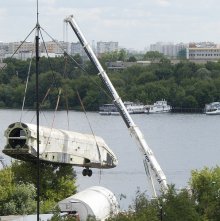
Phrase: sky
[134,24]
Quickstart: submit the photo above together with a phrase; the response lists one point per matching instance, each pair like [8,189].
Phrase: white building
[57,47]
[26,50]
[105,47]
[169,49]
[203,51]
[19,47]
[76,48]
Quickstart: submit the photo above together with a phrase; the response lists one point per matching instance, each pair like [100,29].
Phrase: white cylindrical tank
[95,201]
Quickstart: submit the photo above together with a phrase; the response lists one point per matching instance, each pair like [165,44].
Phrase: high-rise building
[19,47]
[105,47]
[55,47]
[169,49]
[25,50]
[76,48]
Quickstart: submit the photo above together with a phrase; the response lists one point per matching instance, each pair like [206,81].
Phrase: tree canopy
[18,187]
[184,84]
[199,202]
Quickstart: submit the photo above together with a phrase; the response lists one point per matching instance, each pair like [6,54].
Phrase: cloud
[3,12]
[163,2]
[132,23]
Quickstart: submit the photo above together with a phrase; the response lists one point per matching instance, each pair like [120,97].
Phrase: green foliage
[142,209]
[15,198]
[132,59]
[21,201]
[6,185]
[172,206]
[120,55]
[56,181]
[206,191]
[57,216]
[200,203]
[18,187]
[186,84]
[178,206]
[153,56]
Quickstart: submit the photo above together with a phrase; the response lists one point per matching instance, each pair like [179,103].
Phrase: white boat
[108,109]
[132,108]
[212,108]
[158,107]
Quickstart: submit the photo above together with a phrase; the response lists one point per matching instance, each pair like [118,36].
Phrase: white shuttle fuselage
[58,146]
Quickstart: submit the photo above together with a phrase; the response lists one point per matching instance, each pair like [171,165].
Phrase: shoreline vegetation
[186,86]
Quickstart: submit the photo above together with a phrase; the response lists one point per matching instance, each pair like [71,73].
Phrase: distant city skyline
[134,24]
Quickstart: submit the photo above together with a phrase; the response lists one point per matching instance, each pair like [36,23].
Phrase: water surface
[180,142]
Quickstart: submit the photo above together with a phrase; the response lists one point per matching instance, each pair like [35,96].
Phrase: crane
[150,162]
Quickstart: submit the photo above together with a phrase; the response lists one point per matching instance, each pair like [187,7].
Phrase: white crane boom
[149,158]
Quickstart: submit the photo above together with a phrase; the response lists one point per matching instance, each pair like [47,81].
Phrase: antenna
[37,13]
[37,113]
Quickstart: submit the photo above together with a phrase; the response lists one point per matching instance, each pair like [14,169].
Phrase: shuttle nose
[17,135]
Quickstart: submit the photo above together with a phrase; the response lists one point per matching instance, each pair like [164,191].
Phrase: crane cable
[54,115]
[78,65]
[2,68]
[65,93]
[26,85]
[100,159]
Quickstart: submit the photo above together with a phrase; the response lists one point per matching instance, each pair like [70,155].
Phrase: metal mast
[149,159]
[37,111]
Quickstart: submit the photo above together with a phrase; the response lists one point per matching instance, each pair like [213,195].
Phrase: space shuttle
[58,146]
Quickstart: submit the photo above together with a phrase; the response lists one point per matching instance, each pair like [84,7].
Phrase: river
[180,142]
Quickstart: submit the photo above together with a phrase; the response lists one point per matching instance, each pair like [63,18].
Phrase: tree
[204,91]
[141,209]
[185,83]
[122,54]
[15,198]
[205,186]
[178,206]
[132,59]
[57,181]
[153,56]
[189,102]
[203,73]
[21,200]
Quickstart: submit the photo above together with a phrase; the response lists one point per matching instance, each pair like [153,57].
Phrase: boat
[108,109]
[212,108]
[132,108]
[158,107]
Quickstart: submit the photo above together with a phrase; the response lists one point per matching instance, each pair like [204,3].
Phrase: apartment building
[26,50]
[19,47]
[169,49]
[105,47]
[57,47]
[76,48]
